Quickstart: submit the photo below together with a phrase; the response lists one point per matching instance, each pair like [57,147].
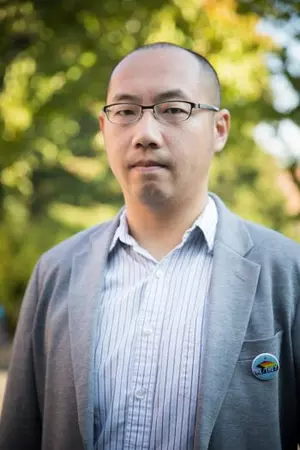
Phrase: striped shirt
[147,356]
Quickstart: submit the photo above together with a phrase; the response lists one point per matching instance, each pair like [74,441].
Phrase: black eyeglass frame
[152,107]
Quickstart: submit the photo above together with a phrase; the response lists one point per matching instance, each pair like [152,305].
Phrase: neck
[160,231]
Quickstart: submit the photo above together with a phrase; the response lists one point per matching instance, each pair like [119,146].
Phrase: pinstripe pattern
[147,357]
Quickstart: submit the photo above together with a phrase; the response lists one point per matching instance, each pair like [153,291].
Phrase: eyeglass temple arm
[205,106]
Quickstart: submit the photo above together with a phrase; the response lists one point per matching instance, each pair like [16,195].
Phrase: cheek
[114,161]
[183,149]
[114,149]
[193,155]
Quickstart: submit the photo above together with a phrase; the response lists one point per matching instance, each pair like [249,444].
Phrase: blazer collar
[231,229]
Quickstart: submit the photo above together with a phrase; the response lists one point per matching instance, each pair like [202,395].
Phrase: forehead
[148,73]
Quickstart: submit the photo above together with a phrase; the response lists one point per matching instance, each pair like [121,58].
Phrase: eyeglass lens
[174,111]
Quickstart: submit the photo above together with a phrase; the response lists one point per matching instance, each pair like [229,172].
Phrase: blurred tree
[279,134]
[56,59]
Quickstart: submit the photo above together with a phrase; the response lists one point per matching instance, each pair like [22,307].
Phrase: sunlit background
[56,57]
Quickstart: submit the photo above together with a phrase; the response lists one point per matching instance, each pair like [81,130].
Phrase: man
[176,325]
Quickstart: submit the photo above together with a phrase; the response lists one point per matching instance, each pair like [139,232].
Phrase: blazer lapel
[85,286]
[229,303]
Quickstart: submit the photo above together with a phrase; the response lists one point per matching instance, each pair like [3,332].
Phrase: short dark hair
[204,64]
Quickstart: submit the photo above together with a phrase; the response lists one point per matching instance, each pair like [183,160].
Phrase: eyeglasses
[173,111]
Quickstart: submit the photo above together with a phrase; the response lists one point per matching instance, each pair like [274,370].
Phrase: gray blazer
[252,308]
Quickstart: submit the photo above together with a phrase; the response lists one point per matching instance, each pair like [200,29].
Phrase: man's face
[160,164]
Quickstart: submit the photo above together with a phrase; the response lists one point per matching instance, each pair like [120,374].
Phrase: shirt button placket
[147,350]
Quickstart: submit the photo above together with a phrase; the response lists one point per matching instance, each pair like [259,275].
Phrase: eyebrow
[166,95]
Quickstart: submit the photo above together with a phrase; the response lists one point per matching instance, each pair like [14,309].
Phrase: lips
[147,163]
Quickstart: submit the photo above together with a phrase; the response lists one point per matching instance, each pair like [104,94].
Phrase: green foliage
[283,16]
[56,60]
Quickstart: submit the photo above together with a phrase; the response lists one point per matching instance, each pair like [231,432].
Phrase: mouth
[148,165]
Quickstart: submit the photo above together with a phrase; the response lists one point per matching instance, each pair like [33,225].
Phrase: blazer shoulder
[247,237]
[274,242]
[79,242]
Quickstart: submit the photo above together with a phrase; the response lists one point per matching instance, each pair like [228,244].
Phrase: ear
[222,127]
[101,119]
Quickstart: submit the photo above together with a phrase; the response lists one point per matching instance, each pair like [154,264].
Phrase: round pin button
[265,366]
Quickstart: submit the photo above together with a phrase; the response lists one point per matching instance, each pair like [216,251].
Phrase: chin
[153,197]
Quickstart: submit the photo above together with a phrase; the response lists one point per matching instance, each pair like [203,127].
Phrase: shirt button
[147,331]
[140,393]
[159,274]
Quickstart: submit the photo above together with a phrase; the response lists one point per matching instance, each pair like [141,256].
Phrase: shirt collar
[206,222]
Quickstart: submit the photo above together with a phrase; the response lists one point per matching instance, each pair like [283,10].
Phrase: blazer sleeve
[20,426]
[296,347]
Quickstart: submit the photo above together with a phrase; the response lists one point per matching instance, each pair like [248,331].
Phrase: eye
[173,111]
[125,112]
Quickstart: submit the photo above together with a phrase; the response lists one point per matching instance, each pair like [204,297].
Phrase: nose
[147,132]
